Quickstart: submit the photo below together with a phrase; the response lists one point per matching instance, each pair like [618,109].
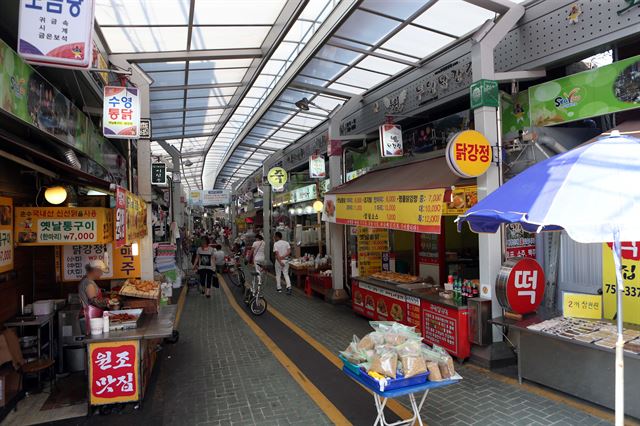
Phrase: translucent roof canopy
[214,63]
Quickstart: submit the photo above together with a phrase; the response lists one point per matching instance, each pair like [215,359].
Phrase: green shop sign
[515,112]
[26,95]
[484,93]
[605,90]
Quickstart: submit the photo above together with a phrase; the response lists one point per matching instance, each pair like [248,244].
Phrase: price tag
[577,305]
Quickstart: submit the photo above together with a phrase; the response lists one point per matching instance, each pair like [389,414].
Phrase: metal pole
[129,167]
[619,393]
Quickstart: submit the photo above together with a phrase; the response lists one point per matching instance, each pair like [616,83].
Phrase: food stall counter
[120,362]
[441,321]
[582,353]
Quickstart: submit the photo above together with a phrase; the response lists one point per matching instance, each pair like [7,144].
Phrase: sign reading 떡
[520,285]
[158,173]
[63,225]
[6,234]
[56,32]
[469,154]
[630,252]
[114,372]
[121,112]
[413,211]
[391,140]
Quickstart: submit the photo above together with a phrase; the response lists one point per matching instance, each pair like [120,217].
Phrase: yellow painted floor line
[314,393]
[181,300]
[555,396]
[395,406]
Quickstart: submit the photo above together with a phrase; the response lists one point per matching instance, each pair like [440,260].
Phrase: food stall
[405,246]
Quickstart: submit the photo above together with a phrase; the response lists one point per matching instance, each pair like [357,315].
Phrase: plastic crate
[350,366]
[396,383]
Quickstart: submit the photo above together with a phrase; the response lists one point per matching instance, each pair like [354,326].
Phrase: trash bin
[75,358]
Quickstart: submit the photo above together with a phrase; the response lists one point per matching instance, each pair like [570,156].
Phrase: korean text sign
[114,372]
[6,234]
[469,154]
[121,112]
[525,286]
[37,226]
[120,261]
[391,141]
[121,217]
[371,244]
[136,218]
[577,305]
[56,32]
[413,211]
[630,274]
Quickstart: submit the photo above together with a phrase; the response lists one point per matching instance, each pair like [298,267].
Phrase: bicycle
[253,294]
[236,273]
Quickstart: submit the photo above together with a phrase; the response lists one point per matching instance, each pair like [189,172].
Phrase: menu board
[428,251]
[413,211]
[114,372]
[372,243]
[379,303]
[38,226]
[120,262]
[413,313]
[462,199]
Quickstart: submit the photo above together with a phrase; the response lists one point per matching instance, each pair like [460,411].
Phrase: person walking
[282,250]
[219,256]
[257,253]
[205,266]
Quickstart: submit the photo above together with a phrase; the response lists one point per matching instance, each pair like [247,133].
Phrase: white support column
[335,238]
[266,221]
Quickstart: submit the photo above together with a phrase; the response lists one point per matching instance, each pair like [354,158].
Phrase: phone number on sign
[628,290]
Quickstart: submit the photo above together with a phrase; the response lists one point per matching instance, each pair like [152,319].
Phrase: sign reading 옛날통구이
[56,32]
[121,112]
[604,90]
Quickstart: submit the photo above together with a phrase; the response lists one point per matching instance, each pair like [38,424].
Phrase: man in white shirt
[282,250]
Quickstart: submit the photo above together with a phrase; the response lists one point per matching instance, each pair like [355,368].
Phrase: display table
[381,398]
[120,362]
[300,273]
[440,321]
[581,369]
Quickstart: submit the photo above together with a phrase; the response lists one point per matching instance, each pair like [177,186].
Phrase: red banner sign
[525,286]
[113,372]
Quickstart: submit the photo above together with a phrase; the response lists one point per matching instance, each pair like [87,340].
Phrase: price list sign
[372,243]
[440,326]
[120,261]
[6,234]
[413,313]
[413,211]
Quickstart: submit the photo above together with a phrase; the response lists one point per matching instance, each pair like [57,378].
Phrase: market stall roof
[418,175]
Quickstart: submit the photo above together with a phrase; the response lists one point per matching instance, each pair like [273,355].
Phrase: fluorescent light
[94,192]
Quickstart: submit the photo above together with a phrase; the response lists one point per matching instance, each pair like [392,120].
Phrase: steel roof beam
[183,55]
[320,89]
[193,86]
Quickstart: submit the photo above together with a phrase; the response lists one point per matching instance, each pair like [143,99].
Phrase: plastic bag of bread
[394,339]
[385,362]
[411,358]
[353,354]
[434,371]
[447,368]
[370,341]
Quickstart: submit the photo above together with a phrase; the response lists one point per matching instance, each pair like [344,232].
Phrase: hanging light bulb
[135,249]
[55,195]
[299,211]
[292,211]
[318,206]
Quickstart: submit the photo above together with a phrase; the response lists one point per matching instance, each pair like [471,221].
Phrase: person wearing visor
[93,304]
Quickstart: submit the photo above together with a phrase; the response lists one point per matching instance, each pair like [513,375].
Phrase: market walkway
[228,368]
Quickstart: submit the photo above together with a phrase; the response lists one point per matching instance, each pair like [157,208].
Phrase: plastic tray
[349,366]
[394,383]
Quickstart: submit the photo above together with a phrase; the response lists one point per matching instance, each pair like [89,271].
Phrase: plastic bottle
[105,322]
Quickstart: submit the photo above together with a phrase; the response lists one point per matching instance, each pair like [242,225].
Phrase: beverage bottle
[475,290]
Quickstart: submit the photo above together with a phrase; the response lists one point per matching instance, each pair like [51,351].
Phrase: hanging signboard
[391,140]
[520,285]
[114,372]
[277,177]
[38,226]
[413,211]
[195,198]
[469,154]
[136,227]
[630,274]
[372,243]
[145,128]
[158,173]
[604,90]
[515,113]
[578,305]
[484,93]
[120,230]
[519,243]
[216,197]
[317,167]
[6,234]
[121,112]
[462,199]
[56,33]
[120,262]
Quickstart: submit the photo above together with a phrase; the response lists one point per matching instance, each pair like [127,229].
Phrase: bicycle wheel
[234,278]
[241,278]
[258,305]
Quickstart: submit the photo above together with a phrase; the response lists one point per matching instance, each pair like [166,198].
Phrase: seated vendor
[89,292]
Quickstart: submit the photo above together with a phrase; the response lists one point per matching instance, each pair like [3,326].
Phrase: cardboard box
[9,384]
